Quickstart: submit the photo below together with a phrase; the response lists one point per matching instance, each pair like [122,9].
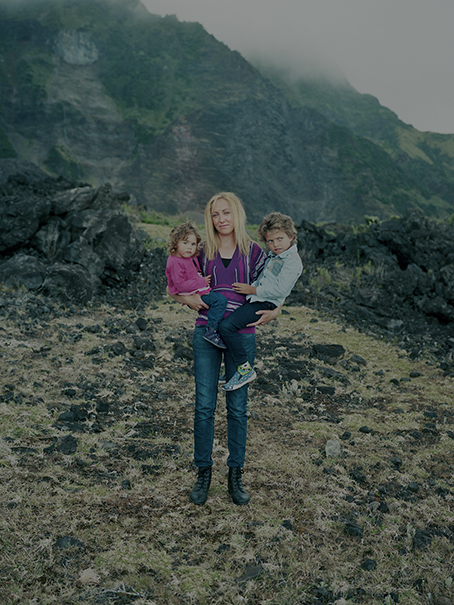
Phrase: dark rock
[67,445]
[383,508]
[23,270]
[331,373]
[422,539]
[141,323]
[118,348]
[325,390]
[93,329]
[369,565]
[69,284]
[352,529]
[358,476]
[250,573]
[68,542]
[183,352]
[329,353]
[396,462]
[365,429]
[144,344]
[102,406]
[430,414]
[65,239]
[358,359]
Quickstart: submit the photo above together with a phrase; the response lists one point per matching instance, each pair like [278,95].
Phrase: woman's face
[222,217]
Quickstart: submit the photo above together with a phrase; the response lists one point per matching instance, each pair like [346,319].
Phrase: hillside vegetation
[103,91]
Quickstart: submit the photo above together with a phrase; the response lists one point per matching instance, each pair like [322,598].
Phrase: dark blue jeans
[218,305]
[207,363]
[239,319]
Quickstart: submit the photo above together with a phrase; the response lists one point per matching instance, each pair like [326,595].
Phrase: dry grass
[149,544]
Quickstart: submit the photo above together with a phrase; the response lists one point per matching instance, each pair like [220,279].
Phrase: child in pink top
[184,277]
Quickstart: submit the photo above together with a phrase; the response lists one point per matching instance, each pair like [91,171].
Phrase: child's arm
[244,288]
[186,278]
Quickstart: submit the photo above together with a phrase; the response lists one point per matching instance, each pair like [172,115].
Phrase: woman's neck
[227,246]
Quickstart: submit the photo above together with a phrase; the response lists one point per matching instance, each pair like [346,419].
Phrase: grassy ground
[96,510]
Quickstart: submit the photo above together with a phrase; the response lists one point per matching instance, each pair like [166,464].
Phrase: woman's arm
[193,300]
[266,316]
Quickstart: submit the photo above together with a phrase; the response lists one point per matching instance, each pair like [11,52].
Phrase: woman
[229,257]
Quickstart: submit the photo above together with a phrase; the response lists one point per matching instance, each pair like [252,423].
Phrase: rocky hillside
[102,91]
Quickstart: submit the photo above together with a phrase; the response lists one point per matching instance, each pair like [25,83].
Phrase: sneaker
[213,337]
[244,375]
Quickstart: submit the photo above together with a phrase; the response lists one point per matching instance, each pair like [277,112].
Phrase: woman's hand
[266,316]
[244,288]
[193,301]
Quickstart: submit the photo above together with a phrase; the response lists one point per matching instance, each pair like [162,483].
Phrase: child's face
[187,247]
[278,241]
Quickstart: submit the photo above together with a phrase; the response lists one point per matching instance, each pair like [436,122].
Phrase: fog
[400,51]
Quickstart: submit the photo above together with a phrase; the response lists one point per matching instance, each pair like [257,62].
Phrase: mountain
[102,91]
[426,157]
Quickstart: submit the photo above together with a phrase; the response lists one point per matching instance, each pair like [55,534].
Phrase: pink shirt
[184,276]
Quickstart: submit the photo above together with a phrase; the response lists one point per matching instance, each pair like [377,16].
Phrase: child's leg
[218,305]
[239,319]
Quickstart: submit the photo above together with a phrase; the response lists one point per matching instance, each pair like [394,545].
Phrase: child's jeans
[239,319]
[218,304]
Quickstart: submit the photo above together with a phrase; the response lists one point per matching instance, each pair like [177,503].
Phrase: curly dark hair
[180,232]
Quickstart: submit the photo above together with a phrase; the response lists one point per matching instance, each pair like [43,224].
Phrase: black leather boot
[199,493]
[236,489]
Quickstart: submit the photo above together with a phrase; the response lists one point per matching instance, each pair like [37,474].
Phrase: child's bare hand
[208,279]
[243,288]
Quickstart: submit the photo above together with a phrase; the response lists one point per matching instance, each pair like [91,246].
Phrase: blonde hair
[213,241]
[275,221]
[179,233]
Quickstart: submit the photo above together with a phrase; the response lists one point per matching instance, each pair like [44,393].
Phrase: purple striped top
[243,269]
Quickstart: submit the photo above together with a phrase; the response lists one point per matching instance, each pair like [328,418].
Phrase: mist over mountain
[103,91]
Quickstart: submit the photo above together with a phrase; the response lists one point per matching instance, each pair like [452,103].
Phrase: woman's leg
[207,362]
[236,402]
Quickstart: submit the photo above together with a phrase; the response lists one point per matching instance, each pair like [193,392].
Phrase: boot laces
[237,482]
[203,479]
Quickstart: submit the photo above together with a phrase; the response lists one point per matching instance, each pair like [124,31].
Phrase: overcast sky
[400,51]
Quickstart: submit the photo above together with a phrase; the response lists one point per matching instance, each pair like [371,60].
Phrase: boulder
[65,239]
[69,283]
[23,270]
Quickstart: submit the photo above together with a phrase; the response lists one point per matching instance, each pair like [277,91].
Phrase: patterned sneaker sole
[249,377]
